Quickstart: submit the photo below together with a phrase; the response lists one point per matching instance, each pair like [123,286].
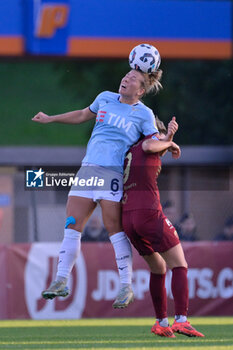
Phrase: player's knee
[70,222]
[74,223]
[163,270]
[158,269]
[156,265]
[184,263]
[178,264]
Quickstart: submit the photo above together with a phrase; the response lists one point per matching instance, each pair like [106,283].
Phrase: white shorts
[96,182]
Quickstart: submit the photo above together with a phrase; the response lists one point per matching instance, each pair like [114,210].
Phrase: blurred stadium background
[56,56]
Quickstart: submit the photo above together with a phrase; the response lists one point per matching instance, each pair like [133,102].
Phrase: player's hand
[172,127]
[42,118]
[175,150]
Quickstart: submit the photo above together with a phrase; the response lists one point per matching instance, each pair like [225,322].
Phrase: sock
[180,290]
[62,279]
[163,322]
[68,254]
[123,255]
[180,318]
[158,295]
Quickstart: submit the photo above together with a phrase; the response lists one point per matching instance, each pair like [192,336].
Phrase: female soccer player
[120,120]
[153,235]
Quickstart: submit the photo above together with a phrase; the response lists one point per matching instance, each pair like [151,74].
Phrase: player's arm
[171,130]
[74,117]
[156,146]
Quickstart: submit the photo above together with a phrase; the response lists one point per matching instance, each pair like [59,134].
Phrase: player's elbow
[147,147]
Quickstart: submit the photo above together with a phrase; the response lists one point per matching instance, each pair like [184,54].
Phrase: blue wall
[161,19]
[151,20]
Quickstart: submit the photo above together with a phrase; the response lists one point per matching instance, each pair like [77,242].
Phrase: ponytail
[152,82]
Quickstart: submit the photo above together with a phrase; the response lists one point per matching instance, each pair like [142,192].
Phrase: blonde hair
[160,126]
[152,82]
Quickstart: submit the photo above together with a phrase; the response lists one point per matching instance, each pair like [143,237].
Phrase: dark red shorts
[149,231]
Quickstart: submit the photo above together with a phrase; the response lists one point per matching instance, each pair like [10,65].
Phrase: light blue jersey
[118,126]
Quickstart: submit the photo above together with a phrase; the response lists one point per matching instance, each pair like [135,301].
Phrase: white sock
[180,318]
[163,322]
[123,254]
[68,254]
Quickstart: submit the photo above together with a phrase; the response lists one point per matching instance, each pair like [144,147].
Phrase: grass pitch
[112,334]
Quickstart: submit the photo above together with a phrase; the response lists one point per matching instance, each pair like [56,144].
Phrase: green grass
[111,334]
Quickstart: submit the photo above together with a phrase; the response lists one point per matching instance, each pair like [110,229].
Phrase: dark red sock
[180,290]
[158,294]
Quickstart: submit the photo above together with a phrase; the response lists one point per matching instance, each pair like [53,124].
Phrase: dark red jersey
[141,171]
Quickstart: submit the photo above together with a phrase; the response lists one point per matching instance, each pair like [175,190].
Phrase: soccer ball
[145,58]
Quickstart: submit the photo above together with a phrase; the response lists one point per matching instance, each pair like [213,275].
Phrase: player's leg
[78,211]
[111,212]
[158,293]
[176,261]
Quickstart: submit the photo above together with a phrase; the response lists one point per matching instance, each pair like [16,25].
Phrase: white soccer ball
[145,58]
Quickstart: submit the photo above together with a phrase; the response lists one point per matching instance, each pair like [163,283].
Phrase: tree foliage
[198,93]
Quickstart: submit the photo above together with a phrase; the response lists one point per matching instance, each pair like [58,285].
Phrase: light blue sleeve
[154,137]
[94,106]
[149,126]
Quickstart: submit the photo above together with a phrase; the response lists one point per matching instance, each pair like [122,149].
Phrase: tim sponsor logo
[119,122]
[114,119]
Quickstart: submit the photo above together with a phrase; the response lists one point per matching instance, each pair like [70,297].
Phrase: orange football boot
[162,331]
[186,329]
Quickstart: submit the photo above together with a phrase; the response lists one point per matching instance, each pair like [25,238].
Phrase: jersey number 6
[115,185]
